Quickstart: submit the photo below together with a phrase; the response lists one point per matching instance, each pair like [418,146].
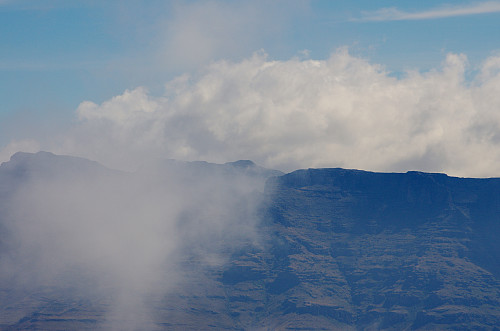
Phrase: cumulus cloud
[344,111]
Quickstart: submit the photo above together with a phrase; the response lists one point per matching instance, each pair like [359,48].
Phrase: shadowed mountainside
[334,249]
[376,251]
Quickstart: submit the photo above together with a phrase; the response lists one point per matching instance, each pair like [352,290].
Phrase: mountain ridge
[401,230]
[333,248]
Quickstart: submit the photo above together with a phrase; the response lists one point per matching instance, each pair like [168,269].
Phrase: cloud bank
[393,14]
[339,112]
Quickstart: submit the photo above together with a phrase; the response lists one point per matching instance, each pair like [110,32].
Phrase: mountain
[386,251]
[242,173]
[315,249]
[351,249]
[44,163]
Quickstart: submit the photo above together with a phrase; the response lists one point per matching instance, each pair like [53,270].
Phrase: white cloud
[344,111]
[393,14]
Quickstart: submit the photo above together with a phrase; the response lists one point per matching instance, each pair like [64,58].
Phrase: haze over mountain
[195,245]
[76,225]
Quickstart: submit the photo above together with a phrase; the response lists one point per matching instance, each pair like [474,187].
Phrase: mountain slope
[348,249]
[85,247]
[194,245]
[373,250]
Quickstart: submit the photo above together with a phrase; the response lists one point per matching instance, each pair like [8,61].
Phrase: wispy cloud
[394,14]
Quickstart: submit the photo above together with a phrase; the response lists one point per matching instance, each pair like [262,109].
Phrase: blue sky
[54,55]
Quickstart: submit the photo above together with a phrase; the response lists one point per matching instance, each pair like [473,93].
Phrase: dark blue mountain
[385,250]
[333,249]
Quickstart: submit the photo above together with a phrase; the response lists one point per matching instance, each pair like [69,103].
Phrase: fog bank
[78,231]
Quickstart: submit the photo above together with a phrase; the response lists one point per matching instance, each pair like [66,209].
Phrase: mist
[77,231]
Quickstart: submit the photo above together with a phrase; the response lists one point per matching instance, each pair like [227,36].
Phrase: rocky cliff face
[375,251]
[349,249]
[333,249]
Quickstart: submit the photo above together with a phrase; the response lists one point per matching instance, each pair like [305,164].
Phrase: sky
[374,85]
